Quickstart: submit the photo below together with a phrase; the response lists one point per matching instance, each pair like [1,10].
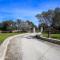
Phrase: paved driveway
[25,47]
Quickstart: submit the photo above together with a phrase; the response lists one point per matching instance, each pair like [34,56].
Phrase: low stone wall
[56,41]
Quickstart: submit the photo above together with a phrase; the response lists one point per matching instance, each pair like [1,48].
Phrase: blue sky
[25,9]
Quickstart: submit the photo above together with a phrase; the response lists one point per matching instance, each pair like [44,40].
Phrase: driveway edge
[4,45]
[56,41]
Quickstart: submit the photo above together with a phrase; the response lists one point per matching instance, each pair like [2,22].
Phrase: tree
[45,18]
[18,24]
[51,18]
[8,25]
[56,19]
[31,25]
[24,25]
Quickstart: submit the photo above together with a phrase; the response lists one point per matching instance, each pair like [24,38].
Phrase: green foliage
[19,25]
[50,18]
[8,25]
[56,18]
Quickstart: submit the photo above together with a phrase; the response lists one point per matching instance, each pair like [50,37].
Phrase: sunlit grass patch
[3,36]
[55,36]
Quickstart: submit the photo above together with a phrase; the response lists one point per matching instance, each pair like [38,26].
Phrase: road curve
[24,47]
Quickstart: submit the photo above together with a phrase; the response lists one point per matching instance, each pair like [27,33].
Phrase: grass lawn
[3,36]
[55,36]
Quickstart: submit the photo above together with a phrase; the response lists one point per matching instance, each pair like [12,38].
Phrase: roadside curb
[56,41]
[4,45]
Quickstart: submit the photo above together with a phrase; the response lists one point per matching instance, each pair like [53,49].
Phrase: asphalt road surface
[25,47]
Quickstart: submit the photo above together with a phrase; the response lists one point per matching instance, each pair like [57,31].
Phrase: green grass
[55,36]
[3,36]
